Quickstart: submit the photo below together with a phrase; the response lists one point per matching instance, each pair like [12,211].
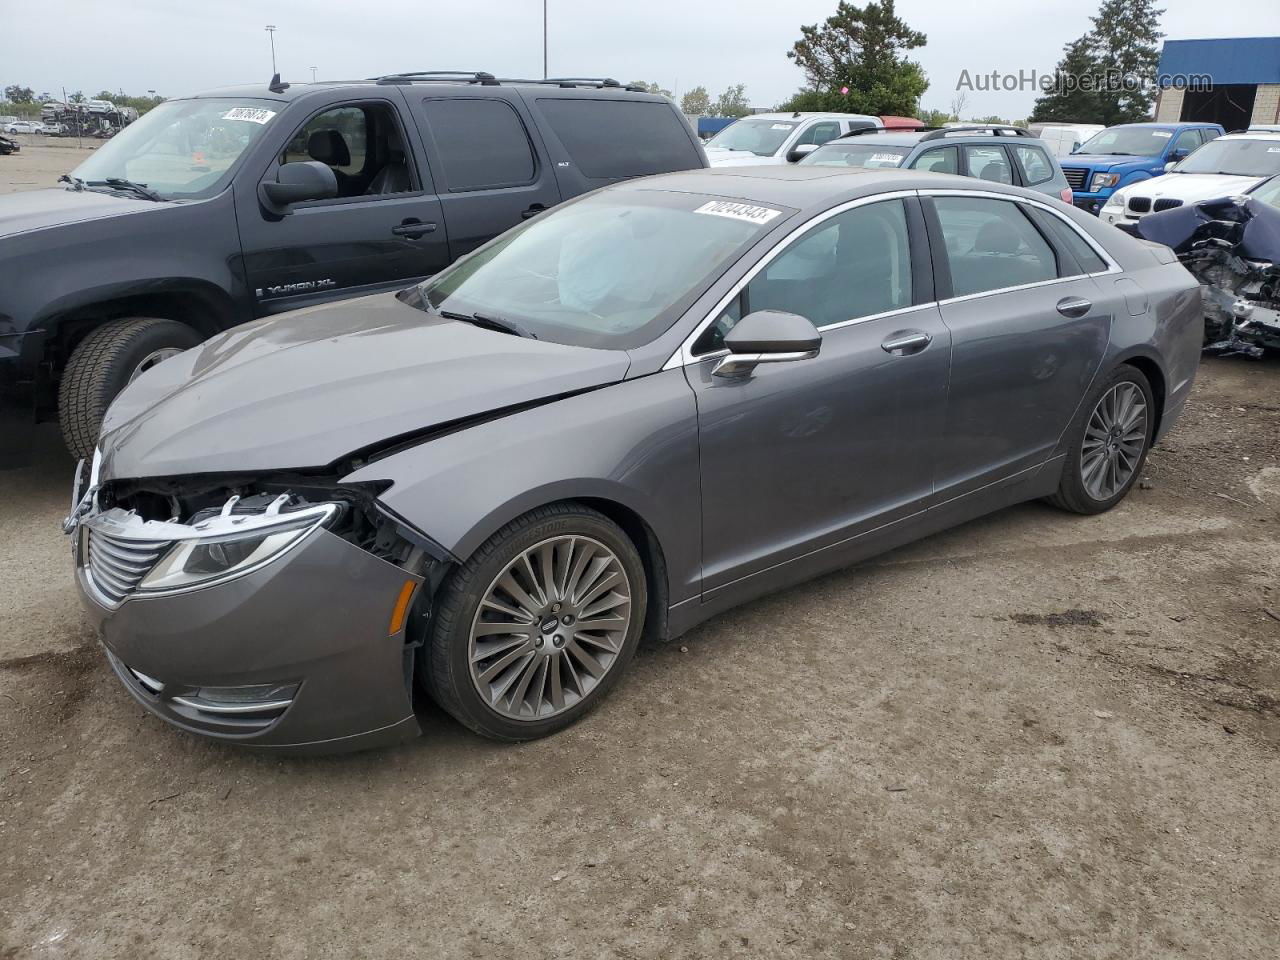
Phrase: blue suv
[1128,153]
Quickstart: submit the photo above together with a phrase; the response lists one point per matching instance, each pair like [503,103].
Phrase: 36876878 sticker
[250,114]
[749,212]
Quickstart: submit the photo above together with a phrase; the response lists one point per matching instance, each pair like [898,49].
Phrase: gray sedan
[614,421]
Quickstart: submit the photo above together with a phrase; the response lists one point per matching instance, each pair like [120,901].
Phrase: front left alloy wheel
[538,625]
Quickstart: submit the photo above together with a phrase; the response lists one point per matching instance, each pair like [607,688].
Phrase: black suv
[240,203]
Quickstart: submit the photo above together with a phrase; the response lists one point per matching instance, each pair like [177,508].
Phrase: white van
[1062,138]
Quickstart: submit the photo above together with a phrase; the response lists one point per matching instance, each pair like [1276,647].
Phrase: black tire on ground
[444,663]
[100,367]
[1071,494]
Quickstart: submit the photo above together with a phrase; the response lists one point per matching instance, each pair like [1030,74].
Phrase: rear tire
[103,364]
[568,642]
[1110,438]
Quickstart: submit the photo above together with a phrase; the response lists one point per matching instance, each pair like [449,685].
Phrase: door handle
[413,229]
[1074,307]
[906,342]
[532,212]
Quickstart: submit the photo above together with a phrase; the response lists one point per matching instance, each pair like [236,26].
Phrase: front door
[1029,329]
[801,455]
[385,227]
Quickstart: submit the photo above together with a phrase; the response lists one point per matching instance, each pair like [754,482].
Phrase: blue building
[1234,82]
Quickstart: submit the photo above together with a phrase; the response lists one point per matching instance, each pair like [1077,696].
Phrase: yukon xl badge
[285,289]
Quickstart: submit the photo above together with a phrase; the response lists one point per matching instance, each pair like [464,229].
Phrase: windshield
[612,270]
[1134,141]
[856,154]
[761,137]
[1269,193]
[1243,158]
[182,149]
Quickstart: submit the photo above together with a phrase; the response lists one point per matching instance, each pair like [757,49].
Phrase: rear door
[383,230]
[490,169]
[1029,328]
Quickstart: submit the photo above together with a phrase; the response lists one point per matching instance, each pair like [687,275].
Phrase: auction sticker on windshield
[738,211]
[251,114]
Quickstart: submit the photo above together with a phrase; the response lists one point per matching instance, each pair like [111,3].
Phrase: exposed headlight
[1103,180]
[217,551]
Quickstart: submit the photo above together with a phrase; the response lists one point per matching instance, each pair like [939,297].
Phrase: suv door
[987,161]
[801,455]
[1184,144]
[490,172]
[1029,328]
[384,229]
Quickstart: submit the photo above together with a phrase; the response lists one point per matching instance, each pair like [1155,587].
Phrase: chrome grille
[1076,177]
[1166,203]
[116,566]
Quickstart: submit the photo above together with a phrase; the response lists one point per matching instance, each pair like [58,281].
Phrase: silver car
[616,420]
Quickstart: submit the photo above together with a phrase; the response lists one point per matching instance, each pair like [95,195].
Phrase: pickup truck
[241,203]
[1129,153]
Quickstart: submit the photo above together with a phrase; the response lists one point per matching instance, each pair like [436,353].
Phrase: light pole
[313,74]
[271,32]
[544,39]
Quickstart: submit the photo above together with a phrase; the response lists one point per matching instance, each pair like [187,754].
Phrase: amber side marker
[402,607]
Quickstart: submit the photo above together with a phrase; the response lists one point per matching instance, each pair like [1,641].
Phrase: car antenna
[277,85]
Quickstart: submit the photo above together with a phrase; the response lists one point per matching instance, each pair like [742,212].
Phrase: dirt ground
[41,161]
[1038,735]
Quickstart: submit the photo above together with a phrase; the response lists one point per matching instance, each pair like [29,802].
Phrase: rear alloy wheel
[104,363]
[1113,433]
[538,625]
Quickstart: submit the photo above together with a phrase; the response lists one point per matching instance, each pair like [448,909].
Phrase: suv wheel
[534,629]
[104,363]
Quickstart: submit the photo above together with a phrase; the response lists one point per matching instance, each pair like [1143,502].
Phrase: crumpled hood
[38,209]
[305,388]
[719,157]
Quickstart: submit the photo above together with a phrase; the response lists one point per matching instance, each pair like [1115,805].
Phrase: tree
[76,97]
[1068,101]
[17,94]
[696,103]
[854,63]
[1125,39]
[936,118]
[732,103]
[650,87]
[958,104]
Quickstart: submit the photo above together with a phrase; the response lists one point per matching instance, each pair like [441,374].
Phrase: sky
[177,46]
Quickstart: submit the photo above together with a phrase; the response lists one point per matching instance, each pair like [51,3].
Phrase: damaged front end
[279,610]
[1232,246]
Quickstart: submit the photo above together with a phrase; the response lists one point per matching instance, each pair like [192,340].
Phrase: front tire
[103,364]
[538,625]
[1110,439]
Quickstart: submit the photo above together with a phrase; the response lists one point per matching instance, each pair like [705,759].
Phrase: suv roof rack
[489,80]
[993,129]
[470,76]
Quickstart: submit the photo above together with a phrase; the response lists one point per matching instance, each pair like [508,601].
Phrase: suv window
[992,245]
[1068,237]
[361,143]
[938,160]
[482,143]
[854,265]
[820,133]
[1187,140]
[1035,165]
[988,163]
[613,139]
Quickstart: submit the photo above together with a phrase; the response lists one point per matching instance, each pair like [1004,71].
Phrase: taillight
[1066,194]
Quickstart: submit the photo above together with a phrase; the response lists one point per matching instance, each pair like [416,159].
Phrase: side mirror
[800,152]
[767,336]
[296,182]
[1179,155]
[1170,165]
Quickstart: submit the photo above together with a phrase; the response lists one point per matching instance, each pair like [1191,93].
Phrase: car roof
[781,115]
[904,138]
[1252,135]
[1162,126]
[295,91]
[809,187]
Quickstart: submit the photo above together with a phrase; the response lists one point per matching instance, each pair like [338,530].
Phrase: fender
[633,444]
[212,310]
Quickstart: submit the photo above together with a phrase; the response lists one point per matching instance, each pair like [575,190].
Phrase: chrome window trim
[684,353]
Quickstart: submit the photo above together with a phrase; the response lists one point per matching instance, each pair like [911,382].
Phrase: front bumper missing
[314,622]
